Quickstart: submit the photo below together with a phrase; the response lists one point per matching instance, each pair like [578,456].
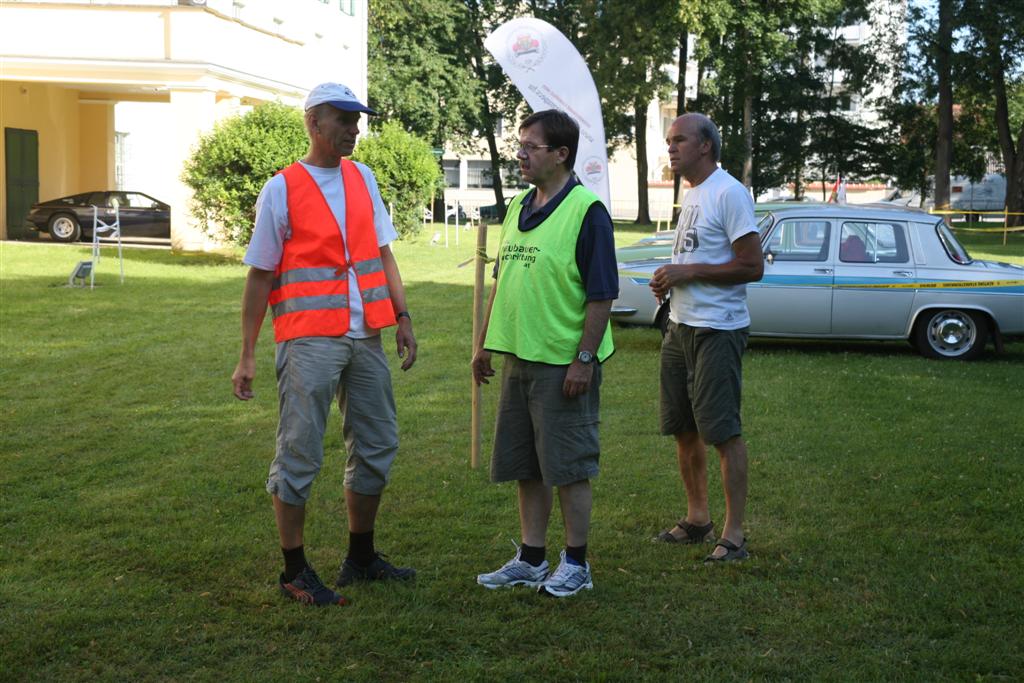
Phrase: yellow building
[65,65]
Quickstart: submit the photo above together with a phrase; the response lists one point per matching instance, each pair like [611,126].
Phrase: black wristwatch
[403,314]
[585,357]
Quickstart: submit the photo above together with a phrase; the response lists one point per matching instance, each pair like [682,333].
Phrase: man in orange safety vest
[320,259]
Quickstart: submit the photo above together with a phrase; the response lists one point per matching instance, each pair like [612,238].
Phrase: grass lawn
[885,515]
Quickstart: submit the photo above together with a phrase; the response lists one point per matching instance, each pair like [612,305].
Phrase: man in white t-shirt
[717,251]
[320,257]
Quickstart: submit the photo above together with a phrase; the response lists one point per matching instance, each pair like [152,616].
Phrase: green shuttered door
[22,154]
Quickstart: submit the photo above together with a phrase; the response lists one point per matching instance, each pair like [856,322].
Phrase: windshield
[953,248]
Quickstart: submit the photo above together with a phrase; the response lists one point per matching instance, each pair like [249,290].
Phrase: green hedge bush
[231,163]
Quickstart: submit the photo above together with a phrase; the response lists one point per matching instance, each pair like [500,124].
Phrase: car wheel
[951,333]
[65,228]
[661,320]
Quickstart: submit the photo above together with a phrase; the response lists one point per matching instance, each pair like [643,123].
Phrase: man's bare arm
[258,285]
[746,265]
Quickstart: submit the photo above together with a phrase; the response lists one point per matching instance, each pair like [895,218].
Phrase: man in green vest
[548,314]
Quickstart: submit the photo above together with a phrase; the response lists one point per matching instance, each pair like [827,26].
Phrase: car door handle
[823,271]
[903,273]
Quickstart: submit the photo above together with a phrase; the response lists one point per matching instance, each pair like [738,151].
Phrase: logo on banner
[593,170]
[526,49]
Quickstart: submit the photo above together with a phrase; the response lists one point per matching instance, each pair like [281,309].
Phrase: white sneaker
[568,579]
[515,572]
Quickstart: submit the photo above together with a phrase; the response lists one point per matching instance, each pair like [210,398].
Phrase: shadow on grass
[644,338]
[145,254]
[178,258]
[895,349]
[631,228]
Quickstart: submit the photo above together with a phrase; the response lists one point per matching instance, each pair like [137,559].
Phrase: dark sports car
[70,219]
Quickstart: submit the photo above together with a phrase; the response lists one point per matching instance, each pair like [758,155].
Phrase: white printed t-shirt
[272,229]
[714,214]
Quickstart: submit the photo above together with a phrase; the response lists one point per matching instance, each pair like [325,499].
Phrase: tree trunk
[830,127]
[684,41]
[944,140]
[798,171]
[1015,184]
[748,138]
[824,180]
[800,146]
[1013,155]
[489,120]
[698,103]
[643,213]
[499,194]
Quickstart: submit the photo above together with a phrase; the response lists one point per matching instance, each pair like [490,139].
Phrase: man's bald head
[706,130]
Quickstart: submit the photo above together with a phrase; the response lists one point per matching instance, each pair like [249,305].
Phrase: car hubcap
[63,228]
[951,333]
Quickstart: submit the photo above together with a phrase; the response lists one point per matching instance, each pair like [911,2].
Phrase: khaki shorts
[701,381]
[540,434]
[311,373]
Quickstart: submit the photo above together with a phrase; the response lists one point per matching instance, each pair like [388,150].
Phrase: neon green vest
[540,306]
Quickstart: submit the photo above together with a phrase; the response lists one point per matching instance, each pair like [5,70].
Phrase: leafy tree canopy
[406,171]
[415,76]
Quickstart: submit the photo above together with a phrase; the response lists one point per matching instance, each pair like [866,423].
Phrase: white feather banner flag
[551,74]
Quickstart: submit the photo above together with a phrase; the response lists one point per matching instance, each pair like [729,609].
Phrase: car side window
[119,197]
[139,201]
[871,242]
[97,199]
[800,240]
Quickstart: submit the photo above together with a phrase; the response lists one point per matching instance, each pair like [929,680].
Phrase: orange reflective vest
[310,294]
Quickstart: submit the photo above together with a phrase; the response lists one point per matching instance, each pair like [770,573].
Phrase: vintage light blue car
[849,272]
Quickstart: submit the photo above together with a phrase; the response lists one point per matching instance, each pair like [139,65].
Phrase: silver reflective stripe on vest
[310,303]
[375,294]
[373,265]
[308,275]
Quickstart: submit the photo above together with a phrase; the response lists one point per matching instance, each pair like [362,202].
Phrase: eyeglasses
[530,148]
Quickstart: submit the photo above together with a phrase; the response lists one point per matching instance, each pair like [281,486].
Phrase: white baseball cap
[338,96]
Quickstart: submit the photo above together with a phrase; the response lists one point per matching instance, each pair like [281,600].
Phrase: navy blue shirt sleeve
[595,255]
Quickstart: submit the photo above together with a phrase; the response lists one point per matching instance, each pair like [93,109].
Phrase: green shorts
[313,372]
[540,434]
[701,381]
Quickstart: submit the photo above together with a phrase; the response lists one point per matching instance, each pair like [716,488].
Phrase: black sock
[360,548]
[294,562]
[531,554]
[577,554]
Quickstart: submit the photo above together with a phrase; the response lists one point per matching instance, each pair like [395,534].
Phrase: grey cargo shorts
[311,373]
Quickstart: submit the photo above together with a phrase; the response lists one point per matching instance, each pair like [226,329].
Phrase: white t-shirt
[273,229]
[714,214]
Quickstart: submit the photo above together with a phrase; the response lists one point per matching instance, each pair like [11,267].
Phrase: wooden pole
[478,321]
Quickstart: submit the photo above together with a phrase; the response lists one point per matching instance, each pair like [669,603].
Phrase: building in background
[94,94]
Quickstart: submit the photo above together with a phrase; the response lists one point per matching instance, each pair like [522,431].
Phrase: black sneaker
[378,570]
[308,589]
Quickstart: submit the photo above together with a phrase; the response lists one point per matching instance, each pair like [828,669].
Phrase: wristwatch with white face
[585,357]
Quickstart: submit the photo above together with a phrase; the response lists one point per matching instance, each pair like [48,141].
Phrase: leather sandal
[694,534]
[733,552]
